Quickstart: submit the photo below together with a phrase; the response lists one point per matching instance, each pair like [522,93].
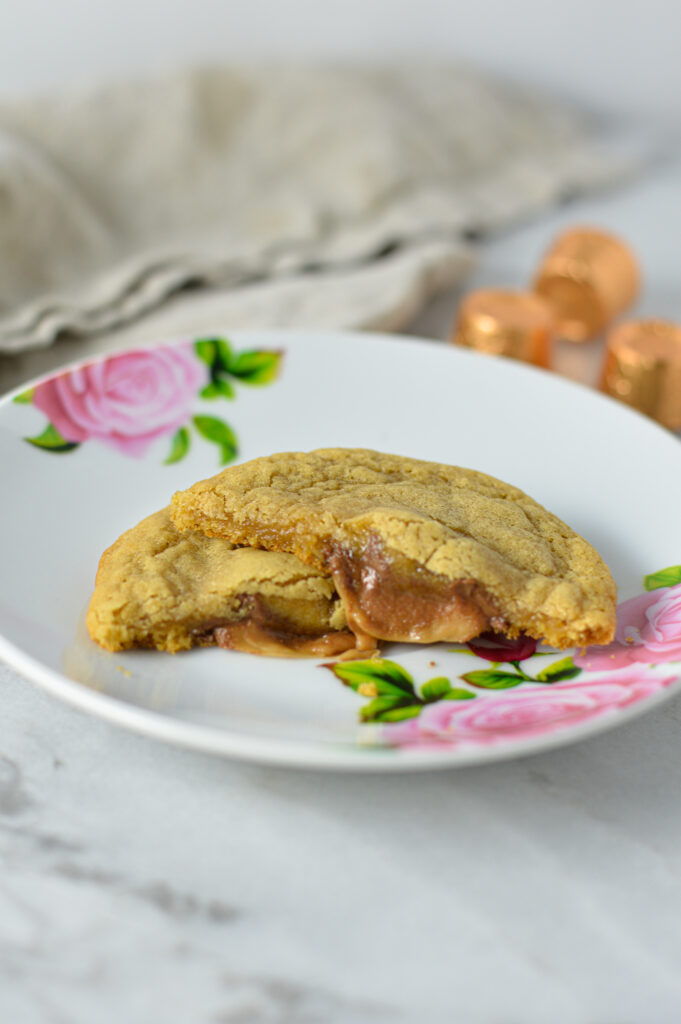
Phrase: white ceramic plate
[129,430]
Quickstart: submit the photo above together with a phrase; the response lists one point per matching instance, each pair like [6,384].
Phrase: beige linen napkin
[304,196]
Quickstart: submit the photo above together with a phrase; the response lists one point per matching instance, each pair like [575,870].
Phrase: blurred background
[618,58]
[605,77]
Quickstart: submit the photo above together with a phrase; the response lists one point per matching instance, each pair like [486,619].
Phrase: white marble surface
[142,883]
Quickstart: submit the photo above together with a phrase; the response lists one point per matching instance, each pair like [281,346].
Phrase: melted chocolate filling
[262,632]
[393,598]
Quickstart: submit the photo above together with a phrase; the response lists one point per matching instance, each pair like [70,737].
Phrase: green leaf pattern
[25,398]
[393,696]
[492,679]
[558,671]
[669,577]
[179,446]
[254,367]
[220,433]
[435,689]
[217,389]
[376,678]
[51,440]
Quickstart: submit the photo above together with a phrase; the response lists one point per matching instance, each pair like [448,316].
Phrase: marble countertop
[145,883]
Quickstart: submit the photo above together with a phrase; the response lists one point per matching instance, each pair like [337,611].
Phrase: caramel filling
[393,598]
[263,632]
[252,638]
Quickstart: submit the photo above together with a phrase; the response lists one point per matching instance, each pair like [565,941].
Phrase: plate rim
[301,753]
[289,333]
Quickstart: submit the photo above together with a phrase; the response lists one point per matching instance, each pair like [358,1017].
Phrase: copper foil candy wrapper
[643,368]
[589,277]
[506,323]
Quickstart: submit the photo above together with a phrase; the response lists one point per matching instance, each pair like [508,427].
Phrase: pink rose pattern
[627,671]
[126,401]
[523,715]
[648,631]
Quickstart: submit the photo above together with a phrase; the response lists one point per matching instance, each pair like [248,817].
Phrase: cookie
[418,551]
[156,587]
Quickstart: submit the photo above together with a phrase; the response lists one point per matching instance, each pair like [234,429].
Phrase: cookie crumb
[126,671]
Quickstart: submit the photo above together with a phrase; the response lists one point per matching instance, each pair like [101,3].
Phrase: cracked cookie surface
[419,551]
[156,587]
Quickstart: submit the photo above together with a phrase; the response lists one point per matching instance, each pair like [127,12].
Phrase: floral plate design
[127,401]
[89,451]
[637,664]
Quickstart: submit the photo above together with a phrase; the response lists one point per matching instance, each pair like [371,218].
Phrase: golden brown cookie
[419,551]
[156,587]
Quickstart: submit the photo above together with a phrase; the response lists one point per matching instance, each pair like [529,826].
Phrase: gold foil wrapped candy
[643,368]
[506,323]
[589,277]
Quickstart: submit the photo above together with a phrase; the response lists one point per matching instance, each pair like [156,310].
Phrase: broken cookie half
[156,587]
[418,551]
